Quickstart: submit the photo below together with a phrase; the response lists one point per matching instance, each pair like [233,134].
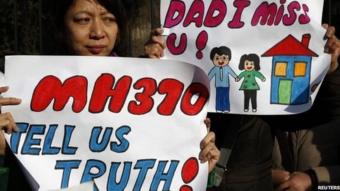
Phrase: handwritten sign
[262,57]
[126,124]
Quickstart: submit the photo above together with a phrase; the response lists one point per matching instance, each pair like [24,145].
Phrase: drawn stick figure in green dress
[250,64]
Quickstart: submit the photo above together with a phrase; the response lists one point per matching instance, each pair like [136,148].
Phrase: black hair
[220,51]
[251,57]
[116,7]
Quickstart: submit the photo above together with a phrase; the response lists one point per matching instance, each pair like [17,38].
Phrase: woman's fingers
[154,50]
[209,151]
[4,89]
[7,123]
[9,101]
[332,46]
[284,186]
[330,30]
[209,138]
[157,31]
[154,47]
[280,176]
[159,40]
[211,154]
[207,123]
[2,144]
[334,49]
[214,155]
[4,121]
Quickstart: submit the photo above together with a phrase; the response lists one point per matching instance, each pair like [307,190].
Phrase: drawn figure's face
[92,30]
[221,60]
[249,65]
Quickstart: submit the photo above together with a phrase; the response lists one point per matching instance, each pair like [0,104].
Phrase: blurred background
[24,27]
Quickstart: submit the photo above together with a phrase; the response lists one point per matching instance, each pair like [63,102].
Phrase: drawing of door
[285,91]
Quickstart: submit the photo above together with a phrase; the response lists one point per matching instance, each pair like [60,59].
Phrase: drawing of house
[291,70]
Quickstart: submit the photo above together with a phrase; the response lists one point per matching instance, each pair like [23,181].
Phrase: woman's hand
[332,46]
[6,120]
[154,47]
[279,176]
[298,181]
[209,151]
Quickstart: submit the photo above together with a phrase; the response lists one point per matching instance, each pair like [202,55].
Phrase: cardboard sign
[262,57]
[125,123]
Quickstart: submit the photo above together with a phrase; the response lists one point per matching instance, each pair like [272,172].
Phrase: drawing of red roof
[290,46]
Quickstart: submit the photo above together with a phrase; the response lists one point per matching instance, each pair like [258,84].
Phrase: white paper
[158,133]
[252,27]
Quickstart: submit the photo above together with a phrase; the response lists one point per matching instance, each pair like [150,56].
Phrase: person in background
[248,140]
[86,28]
[307,150]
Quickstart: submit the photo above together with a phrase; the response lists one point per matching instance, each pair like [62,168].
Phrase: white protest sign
[262,57]
[87,186]
[126,123]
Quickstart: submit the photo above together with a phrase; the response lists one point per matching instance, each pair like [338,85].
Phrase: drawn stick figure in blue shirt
[221,56]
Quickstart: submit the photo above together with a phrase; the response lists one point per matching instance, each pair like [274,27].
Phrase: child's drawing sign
[262,57]
[120,123]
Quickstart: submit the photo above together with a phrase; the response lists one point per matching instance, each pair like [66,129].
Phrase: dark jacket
[249,165]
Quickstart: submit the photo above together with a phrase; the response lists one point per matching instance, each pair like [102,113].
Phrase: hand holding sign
[332,46]
[155,46]
[6,119]
[209,151]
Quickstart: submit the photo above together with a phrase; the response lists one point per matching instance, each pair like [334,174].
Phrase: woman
[89,27]
[93,28]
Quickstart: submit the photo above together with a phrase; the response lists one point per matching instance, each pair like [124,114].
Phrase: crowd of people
[244,152]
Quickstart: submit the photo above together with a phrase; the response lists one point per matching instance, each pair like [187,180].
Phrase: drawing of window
[281,69]
[300,69]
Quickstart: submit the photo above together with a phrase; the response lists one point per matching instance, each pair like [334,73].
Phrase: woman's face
[91,29]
